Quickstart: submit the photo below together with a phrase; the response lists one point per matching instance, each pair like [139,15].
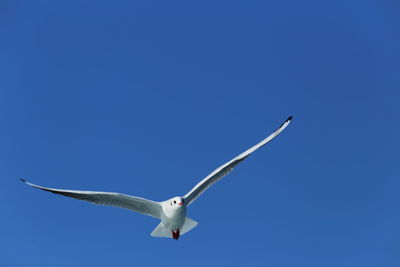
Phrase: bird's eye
[174,201]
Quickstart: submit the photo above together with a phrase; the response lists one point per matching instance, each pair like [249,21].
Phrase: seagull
[171,212]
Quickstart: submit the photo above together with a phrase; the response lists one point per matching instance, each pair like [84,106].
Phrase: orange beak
[180,203]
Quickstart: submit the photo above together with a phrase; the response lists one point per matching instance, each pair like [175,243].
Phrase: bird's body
[173,215]
[172,212]
[173,218]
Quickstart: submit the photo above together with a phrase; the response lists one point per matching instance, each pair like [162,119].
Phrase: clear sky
[148,97]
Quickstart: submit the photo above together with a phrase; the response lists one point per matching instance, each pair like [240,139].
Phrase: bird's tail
[162,231]
[188,225]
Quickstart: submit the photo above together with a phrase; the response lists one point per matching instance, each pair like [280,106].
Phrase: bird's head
[177,202]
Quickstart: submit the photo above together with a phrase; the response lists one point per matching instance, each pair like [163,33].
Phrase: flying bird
[171,212]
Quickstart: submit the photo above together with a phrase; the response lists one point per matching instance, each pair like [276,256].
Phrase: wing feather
[138,204]
[223,170]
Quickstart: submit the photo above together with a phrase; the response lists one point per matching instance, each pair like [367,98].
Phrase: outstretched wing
[227,167]
[138,204]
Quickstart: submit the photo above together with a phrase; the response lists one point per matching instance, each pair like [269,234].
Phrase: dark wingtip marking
[23,180]
[287,120]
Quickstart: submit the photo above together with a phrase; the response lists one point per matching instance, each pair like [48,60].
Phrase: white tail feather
[162,231]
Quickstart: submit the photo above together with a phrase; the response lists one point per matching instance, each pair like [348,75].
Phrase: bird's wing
[138,204]
[227,167]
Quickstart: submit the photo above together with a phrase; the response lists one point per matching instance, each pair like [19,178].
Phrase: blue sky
[148,97]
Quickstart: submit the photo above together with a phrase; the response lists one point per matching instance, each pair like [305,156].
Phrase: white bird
[171,212]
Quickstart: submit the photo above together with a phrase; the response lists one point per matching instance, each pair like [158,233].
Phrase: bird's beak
[180,203]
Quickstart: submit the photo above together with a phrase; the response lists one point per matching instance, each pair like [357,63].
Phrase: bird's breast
[173,218]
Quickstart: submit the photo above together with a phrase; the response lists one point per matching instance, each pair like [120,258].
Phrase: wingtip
[286,121]
[22,180]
